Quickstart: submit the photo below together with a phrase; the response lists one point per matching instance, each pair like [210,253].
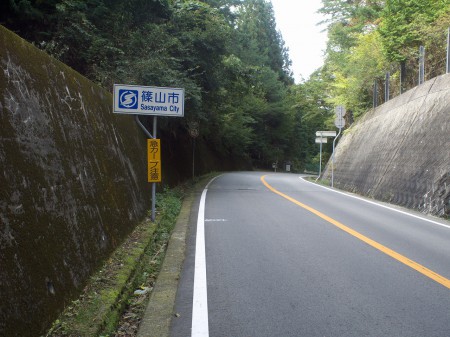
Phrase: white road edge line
[200,326]
[378,204]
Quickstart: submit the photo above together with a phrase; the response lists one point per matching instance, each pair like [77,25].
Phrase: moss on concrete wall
[73,184]
[400,152]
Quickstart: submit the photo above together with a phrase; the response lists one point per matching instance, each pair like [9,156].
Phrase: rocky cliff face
[400,152]
[72,184]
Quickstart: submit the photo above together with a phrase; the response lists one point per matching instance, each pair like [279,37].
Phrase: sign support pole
[149,135]
[136,118]
[320,160]
[339,122]
[332,160]
[193,160]
[324,135]
[155,119]
[448,51]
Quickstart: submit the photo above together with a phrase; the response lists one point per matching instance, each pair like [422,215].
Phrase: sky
[297,20]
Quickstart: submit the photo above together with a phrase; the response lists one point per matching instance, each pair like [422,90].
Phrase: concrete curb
[159,311]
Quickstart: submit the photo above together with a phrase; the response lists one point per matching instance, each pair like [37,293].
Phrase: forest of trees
[368,38]
[232,61]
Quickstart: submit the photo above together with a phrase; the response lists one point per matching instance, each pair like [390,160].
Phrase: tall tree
[402,22]
[227,54]
[259,42]
[34,20]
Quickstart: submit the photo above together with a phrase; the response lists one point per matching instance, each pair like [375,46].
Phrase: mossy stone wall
[72,184]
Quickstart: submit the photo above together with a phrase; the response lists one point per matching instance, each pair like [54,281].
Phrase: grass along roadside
[323,182]
[116,296]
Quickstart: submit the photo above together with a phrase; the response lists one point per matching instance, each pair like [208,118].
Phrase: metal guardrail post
[448,51]
[386,86]
[421,64]
[375,94]
[402,76]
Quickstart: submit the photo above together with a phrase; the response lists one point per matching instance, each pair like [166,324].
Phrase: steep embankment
[73,184]
[400,152]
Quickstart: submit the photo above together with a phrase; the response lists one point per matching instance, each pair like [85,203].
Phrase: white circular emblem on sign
[128,99]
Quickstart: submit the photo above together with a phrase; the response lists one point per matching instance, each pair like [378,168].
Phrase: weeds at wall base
[133,266]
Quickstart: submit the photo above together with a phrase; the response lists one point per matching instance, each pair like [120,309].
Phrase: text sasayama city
[148,97]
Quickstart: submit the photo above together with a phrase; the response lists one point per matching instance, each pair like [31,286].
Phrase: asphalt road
[321,263]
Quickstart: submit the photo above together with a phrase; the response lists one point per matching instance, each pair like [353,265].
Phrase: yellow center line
[399,257]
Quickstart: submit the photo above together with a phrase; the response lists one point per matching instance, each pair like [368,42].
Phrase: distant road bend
[276,255]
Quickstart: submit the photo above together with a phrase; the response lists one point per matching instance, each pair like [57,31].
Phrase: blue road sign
[144,100]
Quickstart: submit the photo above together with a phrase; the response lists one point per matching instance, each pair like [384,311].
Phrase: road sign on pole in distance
[339,122]
[321,140]
[325,133]
[340,111]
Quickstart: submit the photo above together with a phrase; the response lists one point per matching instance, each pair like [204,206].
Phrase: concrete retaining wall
[400,152]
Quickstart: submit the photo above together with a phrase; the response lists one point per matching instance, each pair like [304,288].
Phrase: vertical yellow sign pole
[154,166]
[154,160]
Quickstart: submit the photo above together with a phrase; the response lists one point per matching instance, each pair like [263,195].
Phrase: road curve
[285,257]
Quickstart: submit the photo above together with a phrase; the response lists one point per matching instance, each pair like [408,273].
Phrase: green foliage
[311,112]
[357,12]
[259,42]
[366,39]
[34,20]
[232,61]
[353,81]
[227,54]
[435,37]
[168,203]
[401,24]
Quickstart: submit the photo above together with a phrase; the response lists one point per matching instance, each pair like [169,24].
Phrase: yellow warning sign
[154,160]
